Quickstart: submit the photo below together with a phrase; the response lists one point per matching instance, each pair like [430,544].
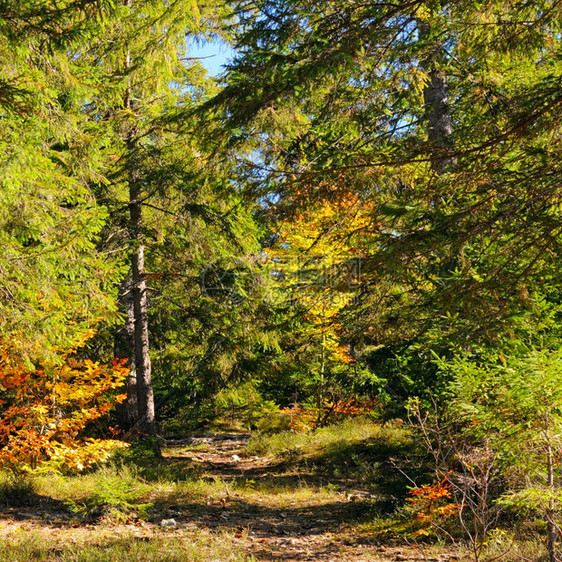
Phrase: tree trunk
[139,297]
[127,412]
[436,102]
[145,395]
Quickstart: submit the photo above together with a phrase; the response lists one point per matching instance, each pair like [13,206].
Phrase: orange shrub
[48,406]
[301,419]
[431,505]
[305,419]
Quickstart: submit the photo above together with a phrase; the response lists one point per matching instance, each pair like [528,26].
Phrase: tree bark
[145,395]
[436,103]
[127,412]
[141,395]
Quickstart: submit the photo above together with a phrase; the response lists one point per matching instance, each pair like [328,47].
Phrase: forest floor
[225,497]
[288,510]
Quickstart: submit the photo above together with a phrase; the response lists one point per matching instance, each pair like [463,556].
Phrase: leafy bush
[111,491]
[49,406]
[241,407]
[497,440]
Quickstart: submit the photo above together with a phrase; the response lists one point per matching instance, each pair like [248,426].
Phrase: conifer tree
[53,285]
[140,79]
[175,207]
[441,114]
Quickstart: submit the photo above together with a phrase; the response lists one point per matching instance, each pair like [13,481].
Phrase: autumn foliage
[431,505]
[306,419]
[47,407]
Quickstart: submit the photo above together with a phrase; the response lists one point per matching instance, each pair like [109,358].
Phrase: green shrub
[116,492]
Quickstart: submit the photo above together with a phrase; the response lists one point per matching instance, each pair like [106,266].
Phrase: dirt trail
[290,516]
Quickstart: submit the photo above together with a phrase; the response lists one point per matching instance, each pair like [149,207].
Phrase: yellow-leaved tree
[318,261]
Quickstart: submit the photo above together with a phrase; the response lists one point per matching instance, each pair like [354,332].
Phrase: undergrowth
[333,436]
[16,490]
[110,490]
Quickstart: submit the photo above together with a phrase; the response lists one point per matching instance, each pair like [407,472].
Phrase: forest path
[282,509]
[213,499]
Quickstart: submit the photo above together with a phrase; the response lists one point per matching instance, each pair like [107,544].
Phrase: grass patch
[110,490]
[357,449]
[329,481]
[287,443]
[358,452]
[17,491]
[203,546]
[141,458]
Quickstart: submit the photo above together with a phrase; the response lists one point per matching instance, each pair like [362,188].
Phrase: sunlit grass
[99,546]
[350,431]
[108,490]
[16,490]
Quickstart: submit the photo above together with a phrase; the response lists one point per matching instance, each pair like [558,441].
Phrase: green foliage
[497,439]
[140,454]
[516,404]
[54,285]
[116,493]
[450,260]
[236,406]
[318,144]
[243,404]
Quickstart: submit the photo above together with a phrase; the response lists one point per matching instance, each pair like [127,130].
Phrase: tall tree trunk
[145,395]
[436,102]
[127,412]
[137,311]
